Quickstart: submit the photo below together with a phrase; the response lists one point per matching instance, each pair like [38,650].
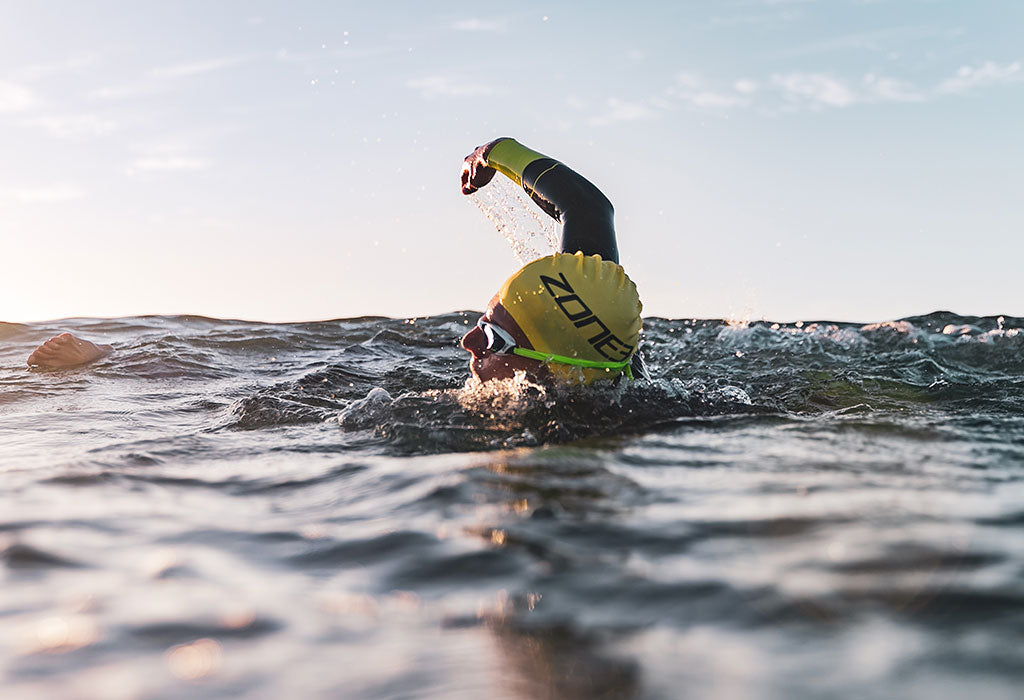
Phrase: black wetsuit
[585,213]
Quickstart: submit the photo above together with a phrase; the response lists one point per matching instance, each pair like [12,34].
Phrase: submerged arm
[585,213]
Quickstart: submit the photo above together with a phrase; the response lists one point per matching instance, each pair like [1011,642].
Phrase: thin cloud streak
[757,20]
[170,164]
[989,73]
[71,126]
[44,195]
[882,89]
[127,91]
[691,89]
[816,91]
[716,100]
[198,68]
[745,86]
[74,64]
[447,86]
[622,111]
[149,86]
[879,40]
[479,25]
[813,89]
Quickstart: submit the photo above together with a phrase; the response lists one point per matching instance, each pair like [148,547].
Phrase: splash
[900,327]
[529,233]
[502,397]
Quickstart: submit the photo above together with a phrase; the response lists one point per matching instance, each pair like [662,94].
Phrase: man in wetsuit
[573,316]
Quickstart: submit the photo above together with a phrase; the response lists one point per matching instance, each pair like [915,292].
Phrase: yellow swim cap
[579,306]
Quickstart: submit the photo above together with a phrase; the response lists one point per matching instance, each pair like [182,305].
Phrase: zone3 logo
[581,315]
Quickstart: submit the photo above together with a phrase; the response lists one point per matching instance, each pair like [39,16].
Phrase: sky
[849,160]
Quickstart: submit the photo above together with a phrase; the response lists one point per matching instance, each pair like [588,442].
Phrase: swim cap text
[577,311]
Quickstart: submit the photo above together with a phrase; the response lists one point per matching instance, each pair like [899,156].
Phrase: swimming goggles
[501,342]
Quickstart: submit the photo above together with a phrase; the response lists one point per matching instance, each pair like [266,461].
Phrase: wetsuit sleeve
[585,213]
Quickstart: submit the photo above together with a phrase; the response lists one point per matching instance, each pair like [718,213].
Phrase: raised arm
[585,213]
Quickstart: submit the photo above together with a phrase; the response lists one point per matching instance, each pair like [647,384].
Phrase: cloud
[690,88]
[447,86]
[479,25]
[198,68]
[168,163]
[120,92]
[759,20]
[73,64]
[149,86]
[622,111]
[988,73]
[818,90]
[813,89]
[883,40]
[45,195]
[715,100]
[73,125]
[14,98]
[686,79]
[762,13]
[745,86]
[882,89]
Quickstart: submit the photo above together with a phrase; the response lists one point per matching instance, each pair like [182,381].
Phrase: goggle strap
[575,362]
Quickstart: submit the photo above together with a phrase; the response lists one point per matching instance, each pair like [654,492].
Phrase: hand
[475,171]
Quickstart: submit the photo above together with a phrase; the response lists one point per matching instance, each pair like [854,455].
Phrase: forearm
[585,213]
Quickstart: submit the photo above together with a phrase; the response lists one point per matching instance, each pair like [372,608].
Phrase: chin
[487,368]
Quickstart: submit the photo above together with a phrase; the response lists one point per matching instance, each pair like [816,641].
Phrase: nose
[474,341]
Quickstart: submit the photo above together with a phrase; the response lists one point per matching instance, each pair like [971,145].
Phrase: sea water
[225,508]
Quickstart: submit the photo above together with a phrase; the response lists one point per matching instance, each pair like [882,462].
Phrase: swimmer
[66,350]
[573,316]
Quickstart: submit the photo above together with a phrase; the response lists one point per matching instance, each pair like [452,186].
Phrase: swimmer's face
[487,365]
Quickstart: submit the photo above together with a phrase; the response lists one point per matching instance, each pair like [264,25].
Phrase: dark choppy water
[322,510]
